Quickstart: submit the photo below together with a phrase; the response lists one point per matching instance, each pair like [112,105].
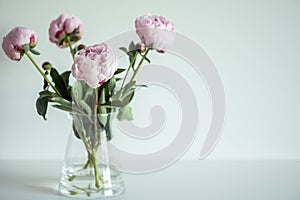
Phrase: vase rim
[71,114]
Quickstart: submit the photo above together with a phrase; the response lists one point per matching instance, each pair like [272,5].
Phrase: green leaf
[26,47]
[47,93]
[59,83]
[89,92]
[85,107]
[131,47]
[42,105]
[108,128]
[124,91]
[128,87]
[131,57]
[88,194]
[71,178]
[119,70]
[64,104]
[75,131]
[104,85]
[69,108]
[35,52]
[111,84]
[60,101]
[141,85]
[42,102]
[63,107]
[116,103]
[123,49]
[147,59]
[127,99]
[131,52]
[66,76]
[125,113]
[125,95]
[72,192]
[103,119]
[76,92]
[77,126]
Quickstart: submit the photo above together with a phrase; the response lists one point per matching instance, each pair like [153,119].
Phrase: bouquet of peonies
[99,88]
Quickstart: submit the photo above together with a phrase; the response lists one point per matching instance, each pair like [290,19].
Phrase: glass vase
[89,170]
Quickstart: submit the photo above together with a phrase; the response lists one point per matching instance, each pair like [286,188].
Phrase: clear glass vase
[89,170]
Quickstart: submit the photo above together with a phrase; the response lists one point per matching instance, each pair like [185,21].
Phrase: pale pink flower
[156,31]
[65,25]
[95,65]
[14,41]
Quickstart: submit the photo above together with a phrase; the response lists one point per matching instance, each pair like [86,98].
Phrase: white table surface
[206,180]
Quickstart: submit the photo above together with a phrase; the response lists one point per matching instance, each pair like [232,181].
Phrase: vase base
[78,182]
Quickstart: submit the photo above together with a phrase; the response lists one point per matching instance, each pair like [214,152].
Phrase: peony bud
[140,47]
[81,46]
[47,66]
[65,26]
[14,42]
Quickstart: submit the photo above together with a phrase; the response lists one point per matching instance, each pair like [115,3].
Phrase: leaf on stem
[41,106]
[63,107]
[127,99]
[127,88]
[60,100]
[145,57]
[85,107]
[132,47]
[35,52]
[125,113]
[119,70]
[59,84]
[131,53]
[42,102]
[26,47]
[123,49]
[75,131]
[66,76]
[141,85]
[71,178]
[72,192]
[112,104]
[76,92]
[111,84]
[89,92]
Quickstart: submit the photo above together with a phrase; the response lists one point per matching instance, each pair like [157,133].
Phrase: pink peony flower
[64,26]
[95,65]
[156,31]
[14,41]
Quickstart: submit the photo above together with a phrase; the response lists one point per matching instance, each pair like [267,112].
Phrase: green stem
[42,73]
[88,161]
[95,138]
[130,65]
[96,170]
[93,155]
[96,110]
[102,101]
[139,65]
[70,47]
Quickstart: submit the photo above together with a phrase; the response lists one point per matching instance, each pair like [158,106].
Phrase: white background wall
[254,44]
